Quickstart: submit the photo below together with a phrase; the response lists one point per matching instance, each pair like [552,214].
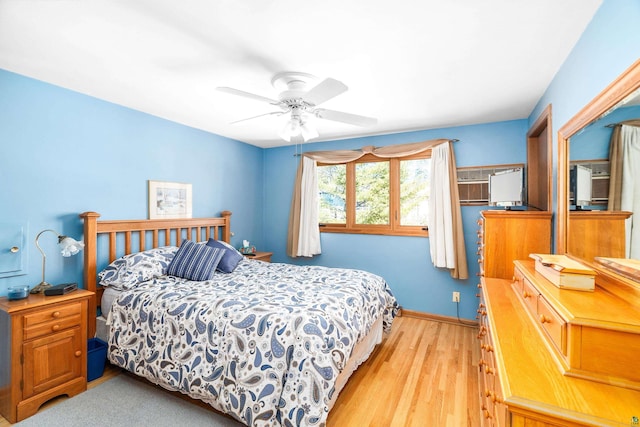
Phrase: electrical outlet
[456,297]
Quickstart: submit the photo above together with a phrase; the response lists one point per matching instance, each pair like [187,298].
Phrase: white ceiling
[412,64]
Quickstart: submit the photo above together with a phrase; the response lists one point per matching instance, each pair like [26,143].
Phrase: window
[375,196]
[473,182]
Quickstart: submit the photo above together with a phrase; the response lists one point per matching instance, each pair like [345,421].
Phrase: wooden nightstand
[260,256]
[43,351]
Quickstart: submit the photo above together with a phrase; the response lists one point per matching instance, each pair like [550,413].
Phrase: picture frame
[169,200]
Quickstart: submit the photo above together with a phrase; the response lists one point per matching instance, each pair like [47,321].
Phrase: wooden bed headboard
[129,236]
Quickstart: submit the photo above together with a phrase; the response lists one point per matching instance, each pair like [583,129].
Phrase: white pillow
[128,271]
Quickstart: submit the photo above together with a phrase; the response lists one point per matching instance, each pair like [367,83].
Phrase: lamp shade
[297,126]
[308,132]
[69,246]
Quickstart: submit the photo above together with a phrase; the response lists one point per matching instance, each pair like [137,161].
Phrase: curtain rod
[612,125]
[300,154]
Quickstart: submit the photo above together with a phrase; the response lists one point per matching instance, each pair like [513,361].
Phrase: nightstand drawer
[51,320]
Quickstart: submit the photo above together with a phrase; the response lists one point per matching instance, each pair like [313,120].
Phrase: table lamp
[68,247]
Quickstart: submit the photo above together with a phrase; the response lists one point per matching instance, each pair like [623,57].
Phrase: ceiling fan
[301,104]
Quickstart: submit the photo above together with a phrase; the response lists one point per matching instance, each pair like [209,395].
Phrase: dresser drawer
[51,320]
[527,292]
[553,325]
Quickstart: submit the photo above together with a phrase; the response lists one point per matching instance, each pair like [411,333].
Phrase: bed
[267,344]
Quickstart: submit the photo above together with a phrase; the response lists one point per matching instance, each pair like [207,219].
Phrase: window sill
[386,232]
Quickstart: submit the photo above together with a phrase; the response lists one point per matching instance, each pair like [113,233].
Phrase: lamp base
[38,289]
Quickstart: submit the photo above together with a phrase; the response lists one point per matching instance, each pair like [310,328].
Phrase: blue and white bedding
[263,343]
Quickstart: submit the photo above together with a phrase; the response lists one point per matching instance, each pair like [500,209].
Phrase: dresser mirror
[585,140]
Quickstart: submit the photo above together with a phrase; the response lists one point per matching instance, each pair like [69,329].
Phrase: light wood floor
[425,373]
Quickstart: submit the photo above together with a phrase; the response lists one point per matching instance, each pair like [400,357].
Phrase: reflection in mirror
[609,175]
[590,148]
[605,225]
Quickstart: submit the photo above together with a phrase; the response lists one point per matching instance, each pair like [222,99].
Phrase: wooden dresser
[597,233]
[43,351]
[552,357]
[497,249]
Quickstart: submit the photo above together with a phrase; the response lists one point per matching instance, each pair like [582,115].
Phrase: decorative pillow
[230,259]
[195,262]
[128,271]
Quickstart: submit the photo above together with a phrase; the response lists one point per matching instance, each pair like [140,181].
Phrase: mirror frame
[620,88]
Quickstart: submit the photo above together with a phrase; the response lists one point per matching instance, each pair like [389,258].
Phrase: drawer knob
[55,314]
[544,319]
[526,294]
[490,371]
[55,328]
[487,347]
[78,353]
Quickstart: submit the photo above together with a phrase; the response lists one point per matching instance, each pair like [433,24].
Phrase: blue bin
[96,358]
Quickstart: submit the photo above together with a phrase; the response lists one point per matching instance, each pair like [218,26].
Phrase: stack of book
[565,272]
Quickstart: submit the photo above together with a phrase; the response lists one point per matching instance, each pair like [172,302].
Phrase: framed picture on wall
[169,200]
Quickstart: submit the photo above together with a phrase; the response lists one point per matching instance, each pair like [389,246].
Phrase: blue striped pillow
[195,262]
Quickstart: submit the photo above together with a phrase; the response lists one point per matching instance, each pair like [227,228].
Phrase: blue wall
[594,140]
[112,152]
[608,46]
[63,153]
[403,261]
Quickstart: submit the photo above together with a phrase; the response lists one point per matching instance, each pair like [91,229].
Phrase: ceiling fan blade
[325,90]
[273,113]
[339,116]
[239,92]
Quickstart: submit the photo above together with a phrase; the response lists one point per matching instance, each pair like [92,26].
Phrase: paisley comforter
[263,344]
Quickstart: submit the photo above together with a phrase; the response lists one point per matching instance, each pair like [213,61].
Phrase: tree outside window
[374,196]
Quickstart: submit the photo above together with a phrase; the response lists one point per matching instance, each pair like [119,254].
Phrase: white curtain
[303,238]
[630,197]
[441,240]
[309,237]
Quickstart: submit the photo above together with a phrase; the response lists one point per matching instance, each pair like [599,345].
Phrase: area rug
[125,401]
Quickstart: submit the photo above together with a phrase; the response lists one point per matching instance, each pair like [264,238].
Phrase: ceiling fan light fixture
[295,126]
[290,129]
[308,132]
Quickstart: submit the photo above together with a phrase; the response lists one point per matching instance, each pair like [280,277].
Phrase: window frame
[393,228]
